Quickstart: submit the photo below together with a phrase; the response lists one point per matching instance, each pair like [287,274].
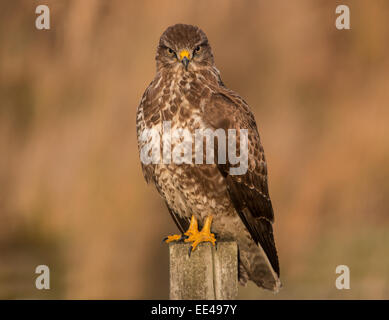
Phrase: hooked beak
[185,62]
[185,58]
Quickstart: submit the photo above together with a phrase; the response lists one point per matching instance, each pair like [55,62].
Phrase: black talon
[190,250]
[164,239]
[184,236]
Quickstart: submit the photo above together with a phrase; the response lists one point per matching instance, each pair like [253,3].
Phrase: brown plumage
[191,95]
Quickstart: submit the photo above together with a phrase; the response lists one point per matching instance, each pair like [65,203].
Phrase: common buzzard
[188,93]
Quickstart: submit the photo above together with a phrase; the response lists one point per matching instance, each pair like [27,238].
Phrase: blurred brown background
[72,194]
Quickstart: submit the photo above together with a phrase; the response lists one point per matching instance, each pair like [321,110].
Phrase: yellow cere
[184,53]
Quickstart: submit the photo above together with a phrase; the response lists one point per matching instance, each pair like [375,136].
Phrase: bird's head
[184,47]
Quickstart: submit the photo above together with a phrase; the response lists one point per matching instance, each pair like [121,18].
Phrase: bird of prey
[188,93]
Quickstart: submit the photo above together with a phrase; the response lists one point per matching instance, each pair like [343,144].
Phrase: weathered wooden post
[208,274]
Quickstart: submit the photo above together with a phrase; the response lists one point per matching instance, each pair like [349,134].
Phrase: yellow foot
[193,228]
[196,237]
[174,237]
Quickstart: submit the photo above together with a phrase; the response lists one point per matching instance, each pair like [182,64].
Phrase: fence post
[208,274]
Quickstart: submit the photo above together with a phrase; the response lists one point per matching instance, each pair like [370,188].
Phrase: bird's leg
[205,235]
[193,228]
[194,235]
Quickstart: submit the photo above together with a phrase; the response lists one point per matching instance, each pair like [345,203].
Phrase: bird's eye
[197,49]
[170,51]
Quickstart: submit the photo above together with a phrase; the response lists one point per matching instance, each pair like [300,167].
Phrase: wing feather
[248,192]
